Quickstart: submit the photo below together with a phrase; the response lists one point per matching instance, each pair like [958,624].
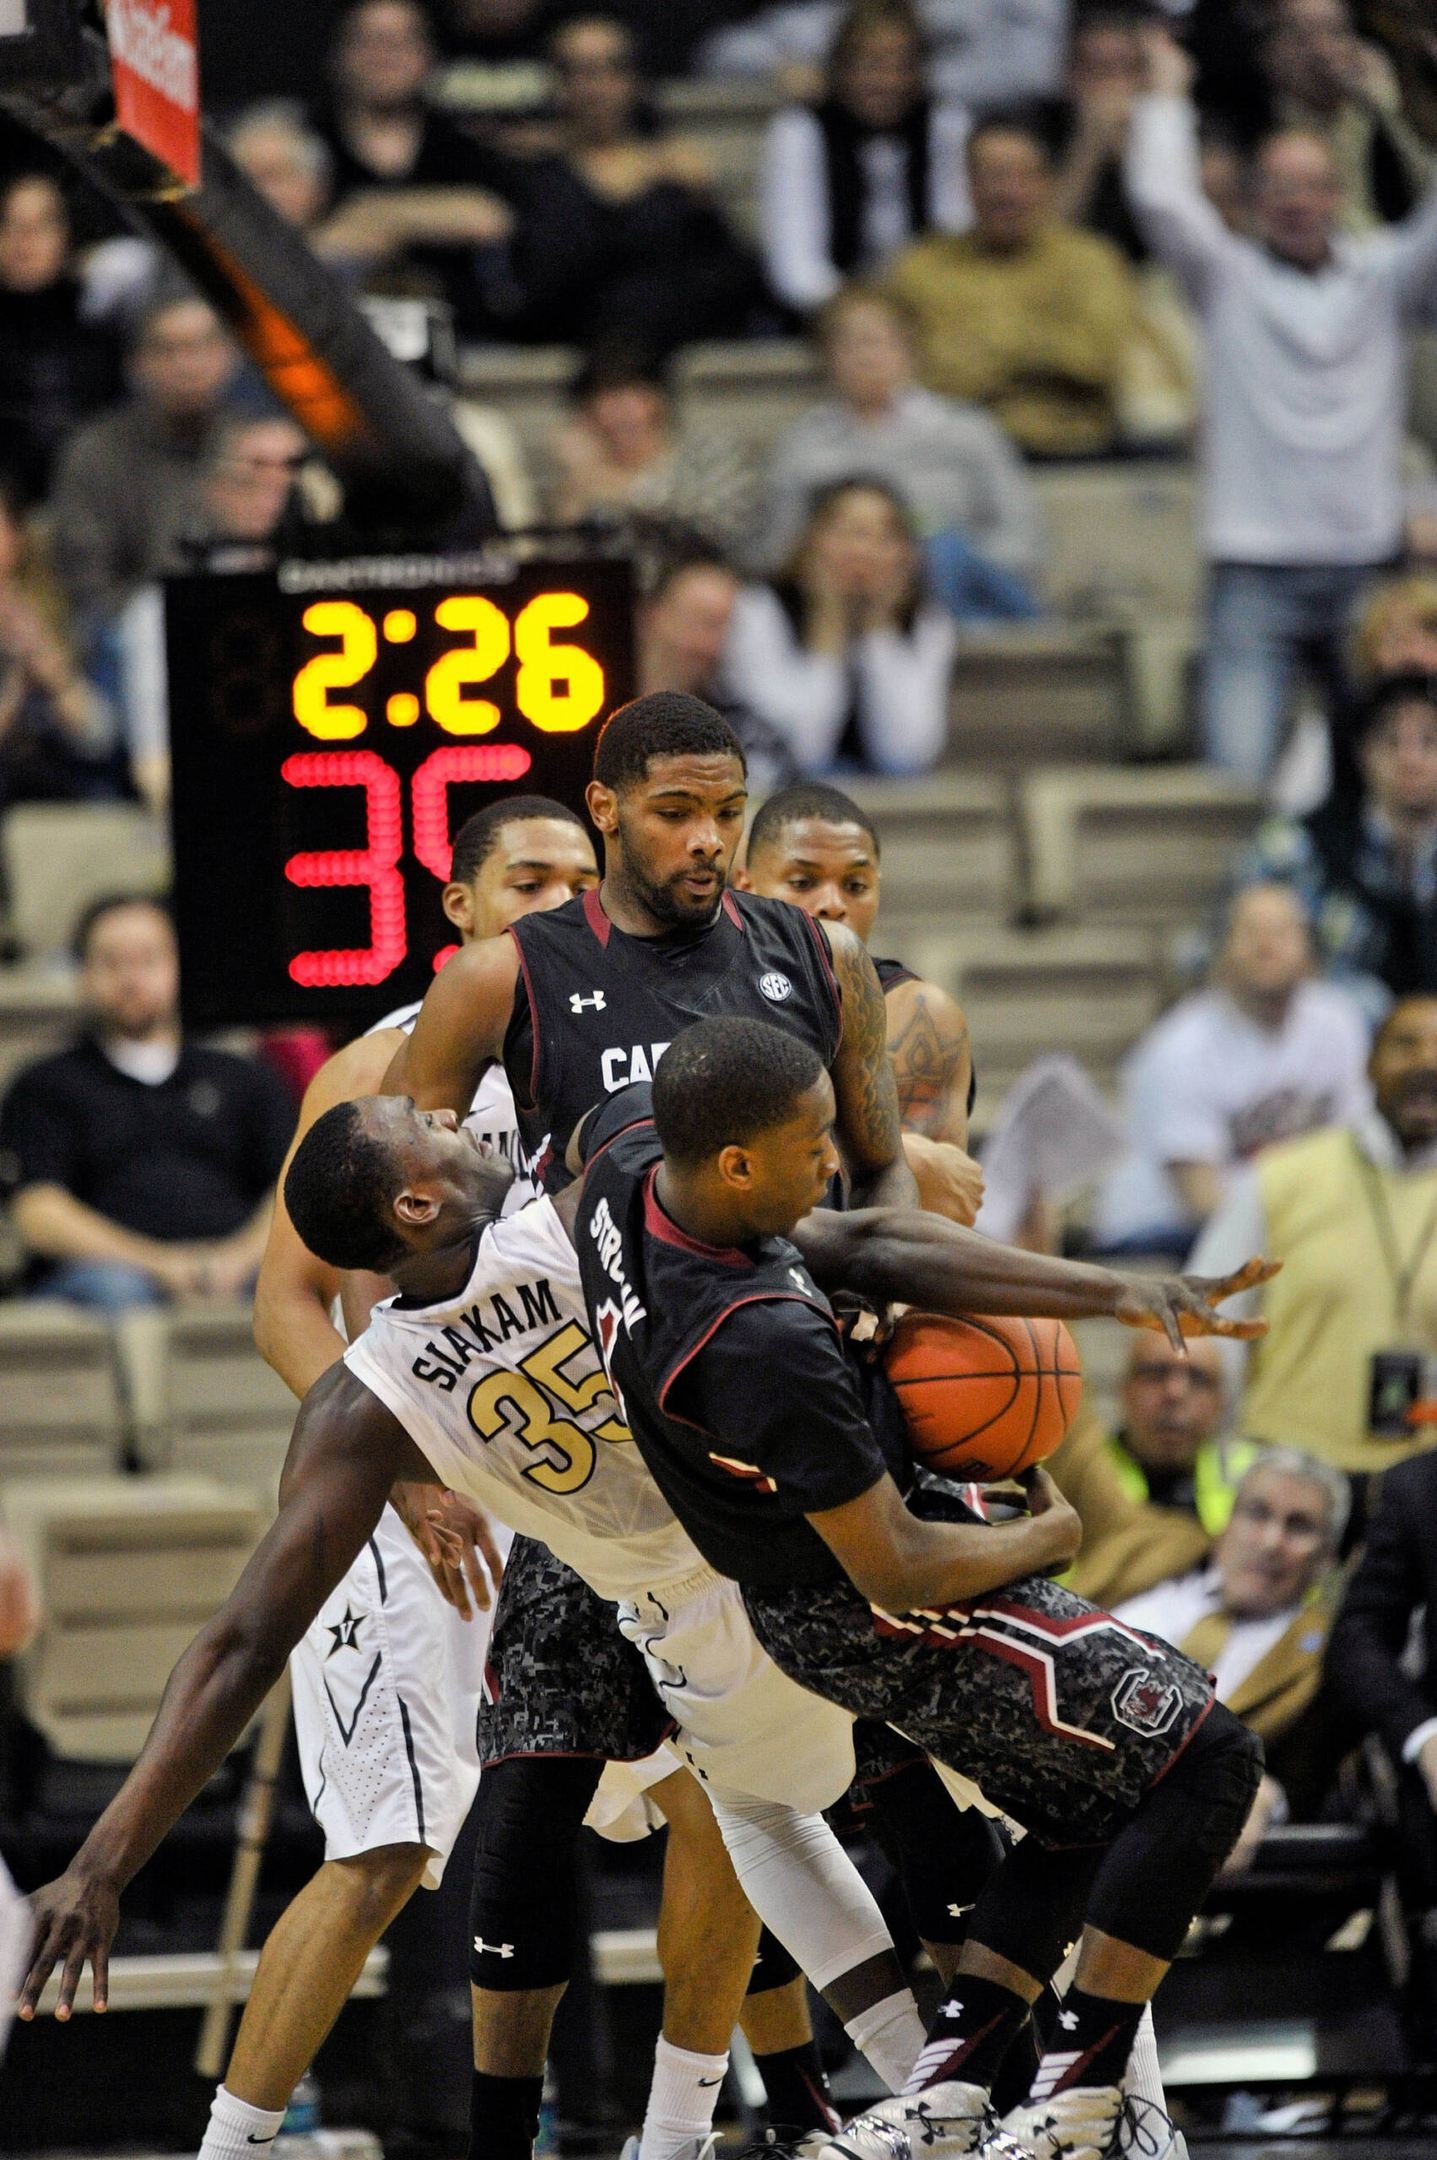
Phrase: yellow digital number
[545,1363]
[559,687]
[335,670]
[473,663]
[537,1429]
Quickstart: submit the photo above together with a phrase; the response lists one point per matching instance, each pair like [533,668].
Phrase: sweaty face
[1267,950]
[439,1164]
[130,975]
[788,1169]
[1172,1404]
[537,864]
[828,870]
[1403,1069]
[1271,1552]
[677,831]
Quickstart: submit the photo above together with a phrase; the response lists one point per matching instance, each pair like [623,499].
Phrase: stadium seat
[226,1415]
[1121,539]
[58,857]
[528,384]
[127,1568]
[751,391]
[948,845]
[1149,846]
[1035,691]
[726,120]
[60,1407]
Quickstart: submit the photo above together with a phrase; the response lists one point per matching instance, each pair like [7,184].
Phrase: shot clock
[332,725]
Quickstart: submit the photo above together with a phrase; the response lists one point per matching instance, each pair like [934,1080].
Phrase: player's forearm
[892,1186]
[942,1563]
[294,1333]
[923,1260]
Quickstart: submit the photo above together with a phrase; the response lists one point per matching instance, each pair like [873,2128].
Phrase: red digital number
[432,782]
[375,865]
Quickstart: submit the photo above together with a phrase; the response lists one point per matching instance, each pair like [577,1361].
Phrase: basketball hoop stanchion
[256,1812]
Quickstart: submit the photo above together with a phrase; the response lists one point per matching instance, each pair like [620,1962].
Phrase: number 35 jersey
[502,1390]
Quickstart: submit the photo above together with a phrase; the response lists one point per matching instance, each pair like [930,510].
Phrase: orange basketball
[984,1398]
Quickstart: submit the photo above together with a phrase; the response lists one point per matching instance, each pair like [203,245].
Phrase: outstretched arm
[888,1253]
[869,1127]
[346,1453]
[460,1028]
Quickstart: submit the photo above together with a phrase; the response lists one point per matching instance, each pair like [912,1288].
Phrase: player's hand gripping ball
[983,1399]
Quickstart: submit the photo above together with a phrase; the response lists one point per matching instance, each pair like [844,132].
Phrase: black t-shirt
[191,1158]
[730,1368]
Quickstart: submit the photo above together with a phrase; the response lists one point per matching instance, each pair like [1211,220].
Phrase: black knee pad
[945,1855]
[773,1966]
[1219,1771]
[523,1918]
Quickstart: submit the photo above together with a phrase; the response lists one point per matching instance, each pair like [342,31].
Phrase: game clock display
[332,725]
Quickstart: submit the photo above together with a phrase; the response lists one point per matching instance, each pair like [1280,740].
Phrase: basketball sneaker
[940,2123]
[1094,2122]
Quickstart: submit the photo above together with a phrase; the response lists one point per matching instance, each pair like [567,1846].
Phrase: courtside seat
[58,857]
[949,847]
[226,1414]
[127,1569]
[1029,691]
[60,1408]
[1152,845]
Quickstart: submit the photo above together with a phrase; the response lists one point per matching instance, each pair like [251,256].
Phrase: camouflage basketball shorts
[561,1680]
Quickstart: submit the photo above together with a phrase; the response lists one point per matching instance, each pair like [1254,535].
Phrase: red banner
[157,79]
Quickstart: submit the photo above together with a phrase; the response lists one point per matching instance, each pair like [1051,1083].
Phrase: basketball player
[812,845]
[1108,1745]
[378,1184]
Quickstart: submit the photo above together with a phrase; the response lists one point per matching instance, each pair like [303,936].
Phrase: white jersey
[503,1391]
[491,1118]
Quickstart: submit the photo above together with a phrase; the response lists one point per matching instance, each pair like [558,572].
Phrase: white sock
[237,2131]
[890,2036]
[682,2098]
[1144,2077]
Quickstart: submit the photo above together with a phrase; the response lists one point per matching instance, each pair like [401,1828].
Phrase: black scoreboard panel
[331,726]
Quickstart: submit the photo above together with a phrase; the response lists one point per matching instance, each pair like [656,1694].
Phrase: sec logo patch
[775,987]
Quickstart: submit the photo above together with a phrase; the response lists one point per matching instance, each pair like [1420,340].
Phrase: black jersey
[730,1369]
[595,1009]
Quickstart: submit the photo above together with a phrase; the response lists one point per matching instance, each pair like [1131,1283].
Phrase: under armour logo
[952,2010]
[503,1950]
[1068,2019]
[346,1631]
[596,1001]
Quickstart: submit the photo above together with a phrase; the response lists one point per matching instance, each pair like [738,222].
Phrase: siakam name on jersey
[445,1369]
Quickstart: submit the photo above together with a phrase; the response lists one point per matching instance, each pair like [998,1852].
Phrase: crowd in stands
[1018,234]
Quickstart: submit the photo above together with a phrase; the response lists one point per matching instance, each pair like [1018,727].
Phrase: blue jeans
[972,588]
[1265,620]
[108,1285]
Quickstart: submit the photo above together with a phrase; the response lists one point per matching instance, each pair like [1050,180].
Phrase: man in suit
[1257,1615]
[1371,1677]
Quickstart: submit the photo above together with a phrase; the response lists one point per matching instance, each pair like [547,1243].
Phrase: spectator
[981,53]
[1390,1606]
[55,369]
[1106,72]
[126,483]
[1155,1492]
[1365,861]
[621,452]
[1258,1618]
[141,1166]
[57,731]
[620,238]
[1325,81]
[683,625]
[1304,372]
[408,186]
[1024,314]
[1395,632]
[843,653]
[960,477]
[288,162]
[847,181]
[1349,1212]
[1262,1054]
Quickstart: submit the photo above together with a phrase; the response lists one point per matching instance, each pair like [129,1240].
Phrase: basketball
[984,1398]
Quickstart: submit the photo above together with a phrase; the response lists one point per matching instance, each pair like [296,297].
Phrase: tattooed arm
[870,1129]
[928,1043]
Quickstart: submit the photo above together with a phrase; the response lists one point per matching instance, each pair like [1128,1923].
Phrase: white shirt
[899,683]
[1305,379]
[1209,1084]
[151,1063]
[797,231]
[1175,1607]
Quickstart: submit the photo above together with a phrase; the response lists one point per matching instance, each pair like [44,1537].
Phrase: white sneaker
[1095,2122]
[699,2148]
[938,2124]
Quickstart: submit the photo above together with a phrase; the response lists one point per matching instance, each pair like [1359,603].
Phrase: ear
[740,878]
[603,807]
[735,1166]
[457,902]
[416,1209]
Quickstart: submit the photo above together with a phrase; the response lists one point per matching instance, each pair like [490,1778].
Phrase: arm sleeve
[37,1135]
[903,692]
[777,1394]
[1164,183]
[795,212]
[1371,1629]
